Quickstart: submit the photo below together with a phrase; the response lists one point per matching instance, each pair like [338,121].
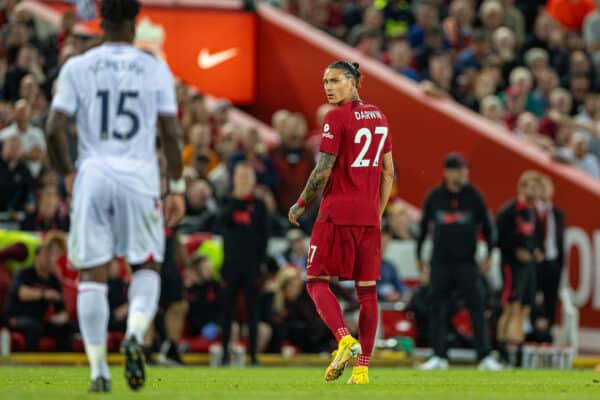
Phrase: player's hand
[69,181]
[295,212]
[485,266]
[174,209]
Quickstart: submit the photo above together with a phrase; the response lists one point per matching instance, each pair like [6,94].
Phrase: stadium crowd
[530,66]
[516,66]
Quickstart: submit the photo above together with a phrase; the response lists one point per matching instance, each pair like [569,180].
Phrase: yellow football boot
[360,376]
[348,349]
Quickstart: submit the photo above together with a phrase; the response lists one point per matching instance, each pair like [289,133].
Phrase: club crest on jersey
[326,128]
[367,115]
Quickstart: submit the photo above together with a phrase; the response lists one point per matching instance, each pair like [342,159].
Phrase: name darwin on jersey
[367,115]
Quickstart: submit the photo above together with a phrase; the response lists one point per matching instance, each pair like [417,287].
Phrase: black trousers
[233,284]
[34,329]
[466,279]
[548,280]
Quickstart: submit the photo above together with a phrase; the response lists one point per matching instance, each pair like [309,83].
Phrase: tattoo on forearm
[318,177]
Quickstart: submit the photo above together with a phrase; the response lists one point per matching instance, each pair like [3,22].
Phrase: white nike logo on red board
[208,61]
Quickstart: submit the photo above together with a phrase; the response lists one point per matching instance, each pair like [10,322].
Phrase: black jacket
[559,230]
[518,227]
[454,220]
[244,226]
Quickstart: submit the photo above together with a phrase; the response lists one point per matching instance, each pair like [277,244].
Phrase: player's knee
[151,265]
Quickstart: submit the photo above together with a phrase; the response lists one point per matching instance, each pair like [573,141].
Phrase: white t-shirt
[116,93]
[32,138]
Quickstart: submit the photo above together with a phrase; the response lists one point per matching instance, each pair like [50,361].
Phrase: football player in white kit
[117,94]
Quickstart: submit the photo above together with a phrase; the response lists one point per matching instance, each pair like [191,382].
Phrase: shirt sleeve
[65,99]
[332,134]
[167,101]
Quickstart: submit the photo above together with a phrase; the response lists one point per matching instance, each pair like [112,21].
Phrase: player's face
[339,89]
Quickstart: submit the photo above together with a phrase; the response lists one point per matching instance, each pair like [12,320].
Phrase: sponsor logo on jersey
[328,135]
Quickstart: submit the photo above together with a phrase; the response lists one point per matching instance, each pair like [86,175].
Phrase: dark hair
[118,11]
[350,70]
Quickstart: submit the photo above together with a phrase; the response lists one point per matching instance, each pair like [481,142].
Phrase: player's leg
[139,237]
[91,249]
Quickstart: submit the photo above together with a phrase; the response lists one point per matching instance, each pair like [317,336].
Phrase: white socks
[93,313]
[144,293]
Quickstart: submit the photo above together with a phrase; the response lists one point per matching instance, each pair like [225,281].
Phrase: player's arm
[316,182]
[169,138]
[56,137]
[387,181]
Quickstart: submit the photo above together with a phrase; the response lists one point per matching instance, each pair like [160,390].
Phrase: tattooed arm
[316,182]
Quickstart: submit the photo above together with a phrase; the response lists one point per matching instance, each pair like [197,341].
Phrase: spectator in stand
[579,86]
[549,271]
[195,111]
[505,47]
[244,225]
[370,44]
[204,295]
[66,29]
[401,59]
[434,44]
[219,116]
[16,183]
[591,35]
[32,138]
[438,79]
[295,314]
[27,63]
[521,77]
[560,107]
[117,299]
[426,17]
[199,145]
[252,154]
[491,15]
[6,113]
[50,214]
[492,109]
[515,106]
[577,153]
[372,21]
[225,147]
[390,287]
[201,208]
[314,140]
[528,130]
[475,55]
[401,226]
[296,255]
[587,121]
[513,19]
[292,161]
[538,61]
[458,25]
[35,304]
[548,81]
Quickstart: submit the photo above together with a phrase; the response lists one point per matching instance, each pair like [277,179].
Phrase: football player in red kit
[355,171]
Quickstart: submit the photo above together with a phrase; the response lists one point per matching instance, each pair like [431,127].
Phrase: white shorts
[109,220]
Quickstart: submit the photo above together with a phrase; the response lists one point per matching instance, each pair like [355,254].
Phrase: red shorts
[348,252]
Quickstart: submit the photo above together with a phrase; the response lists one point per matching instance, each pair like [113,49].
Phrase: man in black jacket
[520,238]
[244,224]
[549,271]
[454,212]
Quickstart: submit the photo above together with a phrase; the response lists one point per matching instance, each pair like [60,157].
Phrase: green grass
[48,383]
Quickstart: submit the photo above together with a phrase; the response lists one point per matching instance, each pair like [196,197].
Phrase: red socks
[327,306]
[367,322]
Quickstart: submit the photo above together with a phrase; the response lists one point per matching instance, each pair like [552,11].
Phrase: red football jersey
[357,133]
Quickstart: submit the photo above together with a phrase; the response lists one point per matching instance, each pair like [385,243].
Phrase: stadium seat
[397,323]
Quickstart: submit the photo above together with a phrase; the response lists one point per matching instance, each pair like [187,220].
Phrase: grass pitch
[49,383]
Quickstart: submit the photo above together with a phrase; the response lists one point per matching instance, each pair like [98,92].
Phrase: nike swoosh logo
[208,61]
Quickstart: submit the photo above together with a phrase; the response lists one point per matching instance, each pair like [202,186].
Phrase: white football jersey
[116,93]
